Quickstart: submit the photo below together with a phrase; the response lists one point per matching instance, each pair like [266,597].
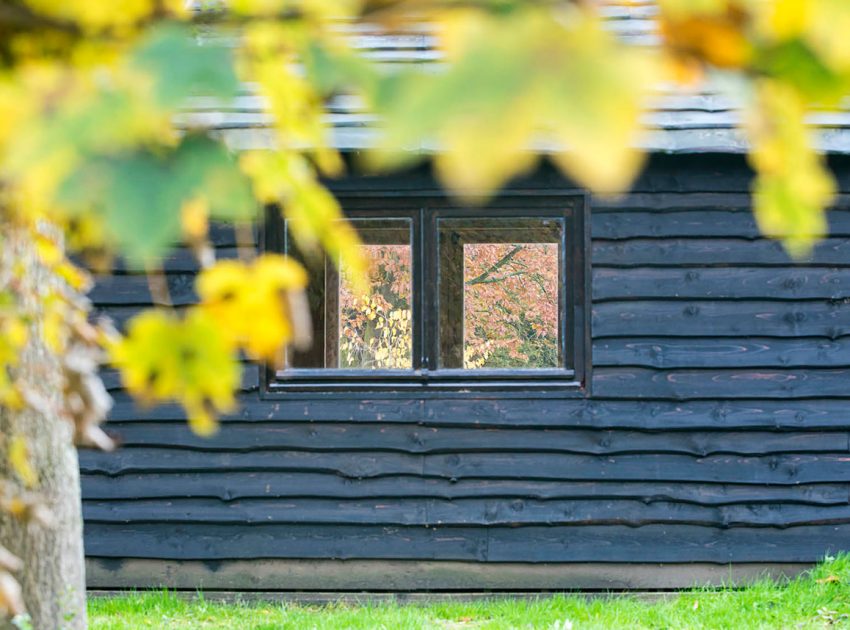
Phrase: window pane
[372,329]
[500,293]
[375,327]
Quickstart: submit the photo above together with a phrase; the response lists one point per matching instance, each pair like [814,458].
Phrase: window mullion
[429,288]
[418,303]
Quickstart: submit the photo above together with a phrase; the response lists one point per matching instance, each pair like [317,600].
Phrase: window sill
[423,383]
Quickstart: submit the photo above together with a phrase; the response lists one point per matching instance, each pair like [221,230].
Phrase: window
[457,298]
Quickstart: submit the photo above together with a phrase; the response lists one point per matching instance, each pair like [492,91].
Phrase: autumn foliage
[93,163]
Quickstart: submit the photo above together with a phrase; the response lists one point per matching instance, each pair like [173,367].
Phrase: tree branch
[504,260]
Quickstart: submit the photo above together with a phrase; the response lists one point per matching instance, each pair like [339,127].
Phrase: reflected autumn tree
[375,326]
[510,315]
[510,305]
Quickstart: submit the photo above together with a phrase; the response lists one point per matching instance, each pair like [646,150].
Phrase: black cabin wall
[718,429]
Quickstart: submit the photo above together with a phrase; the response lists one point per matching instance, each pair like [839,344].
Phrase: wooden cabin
[688,421]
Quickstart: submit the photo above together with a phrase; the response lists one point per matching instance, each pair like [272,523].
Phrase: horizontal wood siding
[718,429]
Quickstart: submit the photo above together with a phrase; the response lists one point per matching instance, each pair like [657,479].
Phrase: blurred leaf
[313,214]
[711,31]
[335,68]
[140,195]
[179,66]
[206,167]
[165,358]
[250,302]
[19,460]
[96,16]
[825,26]
[511,80]
[595,103]
[796,64]
[296,104]
[132,193]
[793,185]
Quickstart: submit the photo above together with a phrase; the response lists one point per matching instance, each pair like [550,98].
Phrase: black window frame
[425,209]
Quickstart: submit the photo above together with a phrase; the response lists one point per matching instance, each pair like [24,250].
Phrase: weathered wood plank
[707,352]
[613,543]
[829,317]
[133,290]
[721,283]
[269,484]
[221,542]
[240,437]
[680,176]
[608,284]
[794,544]
[629,222]
[668,180]
[729,318]
[302,576]
[460,512]
[249,378]
[663,201]
[702,318]
[805,468]
[637,383]
[639,252]
[773,469]
[292,407]
[524,412]
[711,252]
[182,260]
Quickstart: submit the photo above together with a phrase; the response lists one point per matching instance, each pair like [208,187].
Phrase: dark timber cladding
[718,429]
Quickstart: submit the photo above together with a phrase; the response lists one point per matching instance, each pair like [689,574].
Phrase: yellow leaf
[687,8]
[783,19]
[515,80]
[76,278]
[793,186]
[251,302]
[15,332]
[476,160]
[595,107]
[201,420]
[189,360]
[830,579]
[20,461]
[96,16]
[312,213]
[826,32]
[194,218]
[48,250]
[716,35]
[296,107]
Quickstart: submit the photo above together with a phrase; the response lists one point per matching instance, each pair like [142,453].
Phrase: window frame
[424,209]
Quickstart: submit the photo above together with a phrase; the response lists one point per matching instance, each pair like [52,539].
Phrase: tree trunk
[53,577]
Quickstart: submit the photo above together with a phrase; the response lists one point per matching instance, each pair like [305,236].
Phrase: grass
[818,599]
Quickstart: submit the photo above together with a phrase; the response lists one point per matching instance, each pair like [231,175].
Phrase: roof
[679,120]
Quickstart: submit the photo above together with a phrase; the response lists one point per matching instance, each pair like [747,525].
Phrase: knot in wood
[793,283]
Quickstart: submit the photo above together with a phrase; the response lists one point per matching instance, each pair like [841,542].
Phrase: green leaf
[181,67]
[333,70]
[795,63]
[205,167]
[131,193]
[140,195]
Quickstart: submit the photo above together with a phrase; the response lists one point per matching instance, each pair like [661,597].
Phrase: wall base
[400,576]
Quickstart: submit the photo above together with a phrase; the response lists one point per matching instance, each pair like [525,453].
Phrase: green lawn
[819,599]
